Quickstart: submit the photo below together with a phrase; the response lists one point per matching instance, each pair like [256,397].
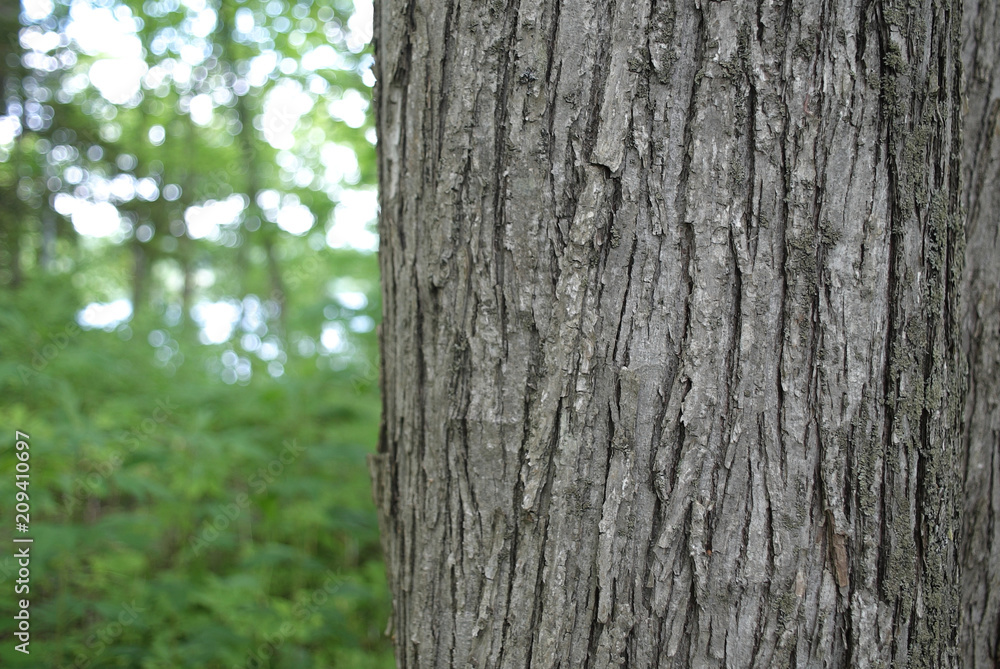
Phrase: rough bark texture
[671,349]
[980,630]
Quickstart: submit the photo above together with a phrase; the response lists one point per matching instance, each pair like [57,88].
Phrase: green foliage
[199,497]
[180,521]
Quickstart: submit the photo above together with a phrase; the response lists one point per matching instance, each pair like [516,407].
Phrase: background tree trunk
[12,208]
[672,364]
[980,629]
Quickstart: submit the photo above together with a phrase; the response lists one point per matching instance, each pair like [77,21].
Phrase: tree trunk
[672,358]
[980,629]
[12,208]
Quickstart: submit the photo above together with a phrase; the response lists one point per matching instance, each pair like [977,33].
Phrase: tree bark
[980,628]
[672,357]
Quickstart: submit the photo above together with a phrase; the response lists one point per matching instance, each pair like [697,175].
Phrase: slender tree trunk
[672,364]
[47,245]
[264,234]
[140,270]
[12,209]
[980,630]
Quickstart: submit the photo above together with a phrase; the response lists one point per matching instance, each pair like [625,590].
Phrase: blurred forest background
[188,299]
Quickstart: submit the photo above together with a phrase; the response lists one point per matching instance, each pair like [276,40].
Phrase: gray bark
[672,357]
[980,628]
